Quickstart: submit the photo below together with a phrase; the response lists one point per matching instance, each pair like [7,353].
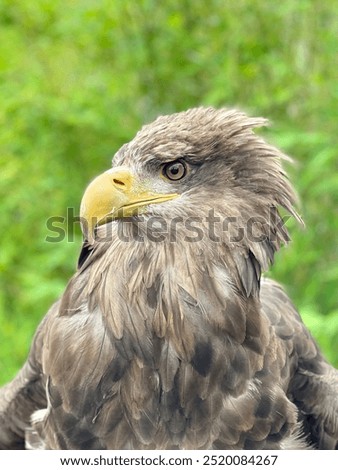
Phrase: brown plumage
[167,337]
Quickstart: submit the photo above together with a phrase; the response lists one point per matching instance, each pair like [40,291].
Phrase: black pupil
[174,170]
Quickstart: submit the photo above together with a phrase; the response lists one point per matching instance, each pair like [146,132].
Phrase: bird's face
[185,164]
[139,181]
[133,189]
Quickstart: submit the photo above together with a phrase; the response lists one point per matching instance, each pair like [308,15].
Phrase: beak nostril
[116,181]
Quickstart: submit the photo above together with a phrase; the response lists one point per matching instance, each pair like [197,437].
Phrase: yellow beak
[113,195]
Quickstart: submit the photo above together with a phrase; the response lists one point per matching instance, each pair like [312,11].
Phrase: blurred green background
[78,78]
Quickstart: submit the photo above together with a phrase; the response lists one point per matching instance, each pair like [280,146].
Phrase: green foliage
[77,79]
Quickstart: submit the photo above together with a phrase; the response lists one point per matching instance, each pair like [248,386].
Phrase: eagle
[168,336]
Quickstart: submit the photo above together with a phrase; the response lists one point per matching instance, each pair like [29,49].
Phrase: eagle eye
[175,170]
